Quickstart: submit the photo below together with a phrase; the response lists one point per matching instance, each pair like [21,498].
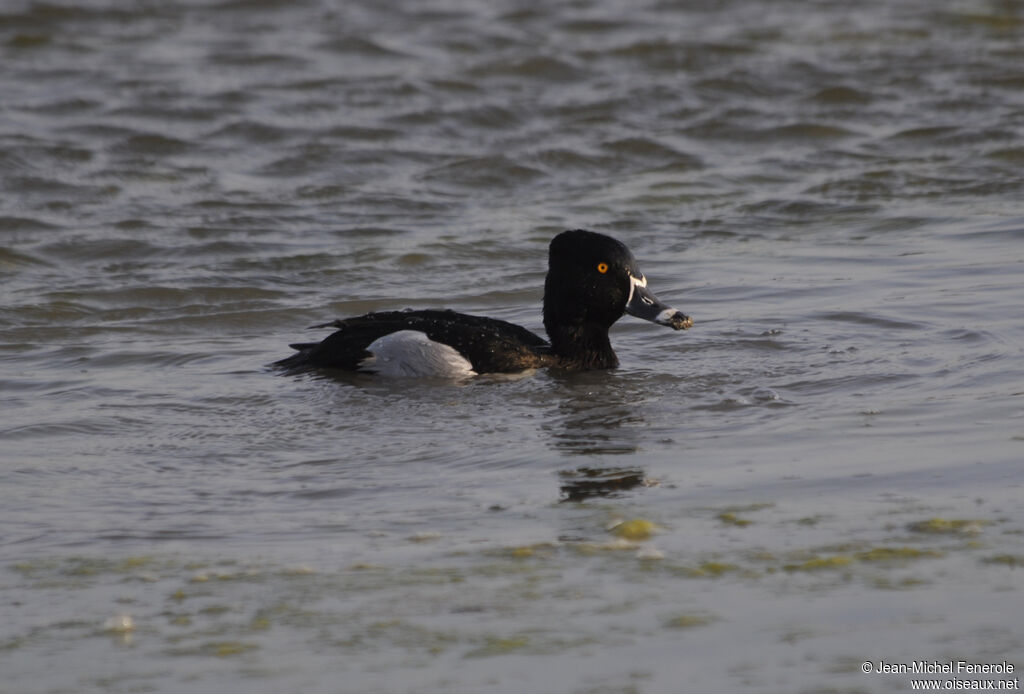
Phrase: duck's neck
[582,345]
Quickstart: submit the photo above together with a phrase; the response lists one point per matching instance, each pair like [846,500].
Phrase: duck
[592,281]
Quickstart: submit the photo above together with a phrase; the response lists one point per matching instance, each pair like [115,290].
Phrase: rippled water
[825,470]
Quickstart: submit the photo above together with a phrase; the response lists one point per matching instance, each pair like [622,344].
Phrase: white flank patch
[410,353]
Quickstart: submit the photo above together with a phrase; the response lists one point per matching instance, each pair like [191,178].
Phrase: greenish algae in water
[537,549]
[226,649]
[845,556]
[25,41]
[896,554]
[730,515]
[688,621]
[405,635]
[259,623]
[707,569]
[217,649]
[730,518]
[810,520]
[820,563]
[716,568]
[635,530]
[906,583]
[750,508]
[947,526]
[494,645]
[72,571]
[1011,560]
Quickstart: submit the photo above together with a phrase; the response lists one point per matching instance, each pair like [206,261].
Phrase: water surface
[824,471]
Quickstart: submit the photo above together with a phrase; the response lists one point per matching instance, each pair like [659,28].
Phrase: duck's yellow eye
[602,268]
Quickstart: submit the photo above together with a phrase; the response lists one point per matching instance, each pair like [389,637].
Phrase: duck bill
[642,303]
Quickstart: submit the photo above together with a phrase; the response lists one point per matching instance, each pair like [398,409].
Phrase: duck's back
[370,342]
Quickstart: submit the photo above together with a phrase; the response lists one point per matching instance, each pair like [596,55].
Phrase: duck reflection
[584,483]
[598,416]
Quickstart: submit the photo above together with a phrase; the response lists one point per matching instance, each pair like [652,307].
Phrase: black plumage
[592,280]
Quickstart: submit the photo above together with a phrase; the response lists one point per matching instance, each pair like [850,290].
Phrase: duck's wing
[490,345]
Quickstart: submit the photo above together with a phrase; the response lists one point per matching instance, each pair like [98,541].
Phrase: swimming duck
[592,280]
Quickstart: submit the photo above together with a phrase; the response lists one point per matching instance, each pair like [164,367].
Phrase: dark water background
[829,463]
